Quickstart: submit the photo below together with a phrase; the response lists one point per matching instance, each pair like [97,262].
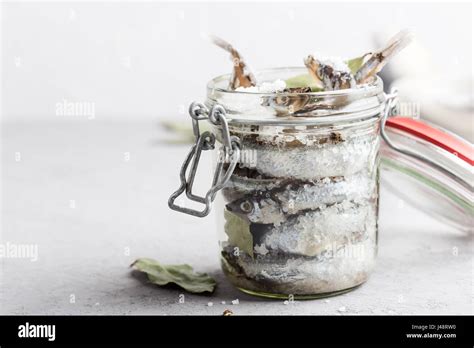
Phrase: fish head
[244,207]
[289,101]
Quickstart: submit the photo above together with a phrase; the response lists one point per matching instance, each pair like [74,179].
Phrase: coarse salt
[337,63]
[266,87]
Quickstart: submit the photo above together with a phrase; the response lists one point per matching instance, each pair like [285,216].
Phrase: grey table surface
[93,197]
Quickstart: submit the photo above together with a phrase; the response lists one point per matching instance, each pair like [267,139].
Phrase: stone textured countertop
[93,197]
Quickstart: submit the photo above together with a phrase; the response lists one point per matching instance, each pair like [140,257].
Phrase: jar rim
[374,87]
[325,107]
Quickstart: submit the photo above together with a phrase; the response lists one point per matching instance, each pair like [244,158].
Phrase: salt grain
[265,87]
[337,63]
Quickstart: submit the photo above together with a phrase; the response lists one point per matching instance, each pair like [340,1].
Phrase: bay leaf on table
[181,275]
[182,131]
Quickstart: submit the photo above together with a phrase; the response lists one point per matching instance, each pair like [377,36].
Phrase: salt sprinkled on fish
[337,63]
[266,87]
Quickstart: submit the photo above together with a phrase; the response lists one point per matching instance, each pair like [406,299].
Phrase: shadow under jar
[298,213]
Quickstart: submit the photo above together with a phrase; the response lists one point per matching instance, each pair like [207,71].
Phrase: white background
[140,61]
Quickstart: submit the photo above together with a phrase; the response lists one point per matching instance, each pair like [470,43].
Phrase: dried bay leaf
[354,64]
[238,231]
[181,275]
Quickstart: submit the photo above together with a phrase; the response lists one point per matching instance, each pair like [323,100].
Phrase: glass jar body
[299,213]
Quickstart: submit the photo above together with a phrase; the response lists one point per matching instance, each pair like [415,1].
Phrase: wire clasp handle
[206,141]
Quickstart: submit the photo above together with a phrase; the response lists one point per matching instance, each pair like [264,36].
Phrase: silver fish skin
[274,206]
[262,210]
[314,232]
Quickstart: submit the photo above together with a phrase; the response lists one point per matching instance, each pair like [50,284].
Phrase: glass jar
[441,187]
[299,182]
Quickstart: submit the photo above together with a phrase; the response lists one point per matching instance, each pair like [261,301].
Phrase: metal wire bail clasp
[230,152]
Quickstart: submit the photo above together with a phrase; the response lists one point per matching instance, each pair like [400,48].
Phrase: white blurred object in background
[442,94]
[443,100]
